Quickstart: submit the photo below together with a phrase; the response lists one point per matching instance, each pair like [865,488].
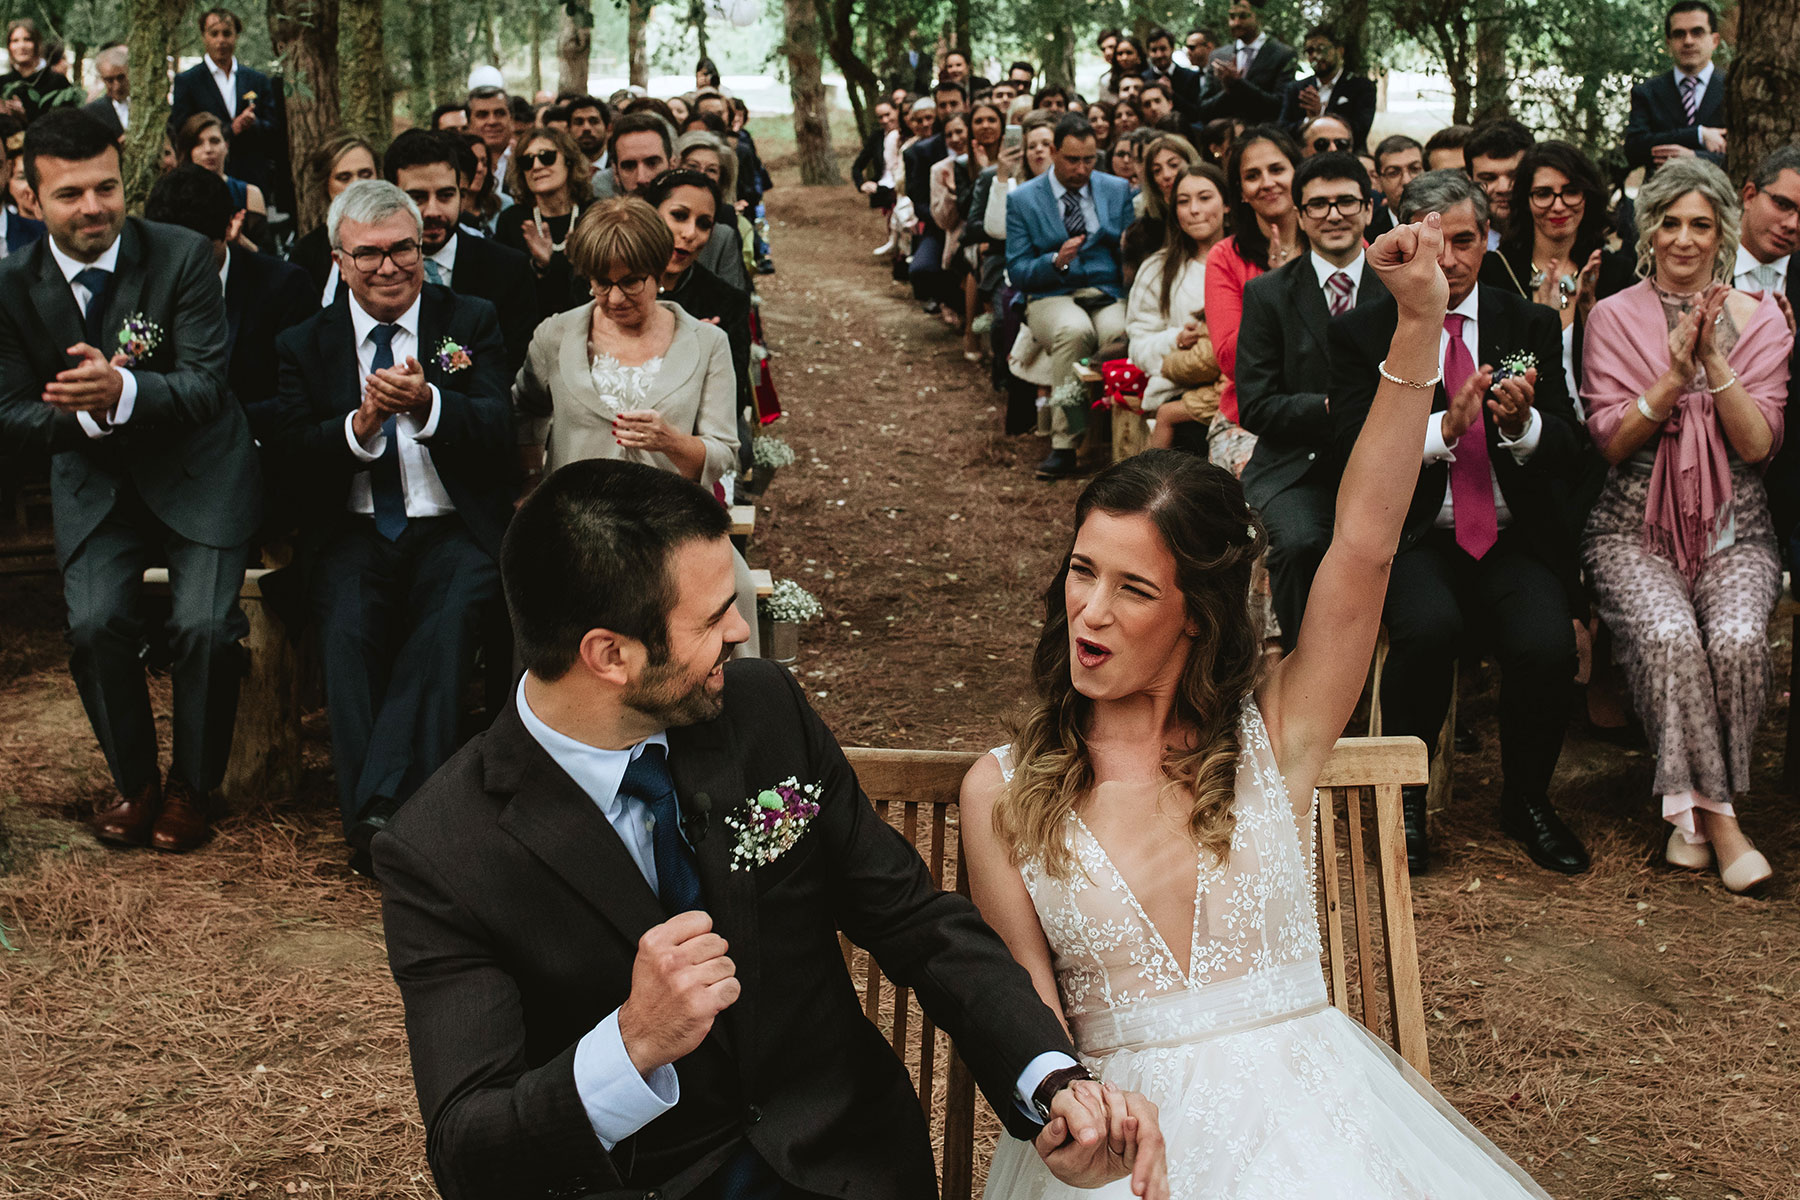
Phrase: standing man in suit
[113,107]
[423,165]
[242,98]
[263,295]
[1681,112]
[1253,71]
[1769,232]
[1284,375]
[395,412]
[1062,254]
[112,362]
[1487,551]
[1331,91]
[664,1008]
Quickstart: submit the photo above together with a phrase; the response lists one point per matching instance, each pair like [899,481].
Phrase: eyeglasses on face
[1321,145]
[404,255]
[1544,197]
[1408,172]
[1320,207]
[630,288]
[543,158]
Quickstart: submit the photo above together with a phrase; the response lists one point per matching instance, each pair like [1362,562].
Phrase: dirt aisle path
[223,1024]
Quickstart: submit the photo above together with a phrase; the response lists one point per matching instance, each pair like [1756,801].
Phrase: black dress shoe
[1412,811]
[1551,844]
[362,836]
[1061,464]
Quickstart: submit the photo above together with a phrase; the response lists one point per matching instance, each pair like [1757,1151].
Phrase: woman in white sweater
[1164,313]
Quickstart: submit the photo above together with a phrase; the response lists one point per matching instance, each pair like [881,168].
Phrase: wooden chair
[916,790]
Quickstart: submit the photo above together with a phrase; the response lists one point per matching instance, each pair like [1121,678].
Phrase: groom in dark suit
[112,362]
[1487,552]
[1284,375]
[614,916]
[394,411]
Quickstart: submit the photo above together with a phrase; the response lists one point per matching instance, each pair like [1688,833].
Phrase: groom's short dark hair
[590,550]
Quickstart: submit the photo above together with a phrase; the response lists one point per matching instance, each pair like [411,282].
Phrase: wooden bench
[743,520]
[265,741]
[764,580]
[918,789]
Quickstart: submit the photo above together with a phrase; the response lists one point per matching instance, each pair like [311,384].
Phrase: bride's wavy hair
[1199,511]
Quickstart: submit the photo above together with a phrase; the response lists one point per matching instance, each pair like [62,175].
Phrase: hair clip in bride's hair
[1250,531]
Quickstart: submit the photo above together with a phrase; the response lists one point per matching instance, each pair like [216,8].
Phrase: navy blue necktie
[98,283]
[385,492]
[647,779]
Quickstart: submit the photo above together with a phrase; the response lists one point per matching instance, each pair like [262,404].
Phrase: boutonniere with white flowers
[1514,365]
[138,338]
[453,356]
[771,822]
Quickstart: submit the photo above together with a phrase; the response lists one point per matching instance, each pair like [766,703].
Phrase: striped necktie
[1072,218]
[1690,97]
[1337,293]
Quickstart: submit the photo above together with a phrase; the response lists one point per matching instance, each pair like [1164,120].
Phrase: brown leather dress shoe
[128,819]
[184,821]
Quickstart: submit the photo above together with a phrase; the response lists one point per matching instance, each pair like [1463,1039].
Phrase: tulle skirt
[1303,1106]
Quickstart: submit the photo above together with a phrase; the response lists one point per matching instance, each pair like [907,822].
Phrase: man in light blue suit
[1062,253]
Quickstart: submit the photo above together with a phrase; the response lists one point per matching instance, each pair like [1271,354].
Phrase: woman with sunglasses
[628,375]
[551,181]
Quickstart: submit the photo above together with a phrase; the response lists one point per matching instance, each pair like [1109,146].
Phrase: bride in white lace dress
[1145,847]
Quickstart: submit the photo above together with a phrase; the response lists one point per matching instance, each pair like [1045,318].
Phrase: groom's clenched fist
[680,981]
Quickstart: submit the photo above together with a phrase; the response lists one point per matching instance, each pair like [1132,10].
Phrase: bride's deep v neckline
[1201,875]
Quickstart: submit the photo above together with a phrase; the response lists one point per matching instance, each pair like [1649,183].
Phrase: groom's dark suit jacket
[513,914]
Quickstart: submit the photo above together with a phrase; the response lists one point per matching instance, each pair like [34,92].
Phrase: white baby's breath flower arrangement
[790,602]
[770,453]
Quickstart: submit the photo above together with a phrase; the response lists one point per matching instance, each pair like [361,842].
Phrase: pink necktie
[1337,293]
[1471,479]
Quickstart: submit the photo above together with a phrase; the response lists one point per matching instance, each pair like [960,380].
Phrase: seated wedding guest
[113,105]
[1128,118]
[727,257]
[1284,375]
[32,87]
[1323,135]
[341,161]
[925,271]
[1165,158]
[393,418]
[1128,60]
[1062,253]
[1145,843]
[424,166]
[1686,382]
[551,851]
[946,215]
[588,121]
[1123,162]
[1398,161]
[481,200]
[1553,249]
[263,295]
[1024,162]
[1156,104]
[1770,230]
[630,376]
[201,141]
[449,117]
[112,365]
[1100,116]
[1444,149]
[1487,546]
[17,231]
[550,185]
[638,147]
[1053,99]
[1492,155]
[1265,224]
[1165,319]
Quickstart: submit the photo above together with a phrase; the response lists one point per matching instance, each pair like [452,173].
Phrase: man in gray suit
[1284,373]
[113,107]
[112,361]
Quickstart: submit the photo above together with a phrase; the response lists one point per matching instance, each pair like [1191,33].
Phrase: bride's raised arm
[1309,696]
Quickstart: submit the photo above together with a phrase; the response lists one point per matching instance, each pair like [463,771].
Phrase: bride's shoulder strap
[1003,756]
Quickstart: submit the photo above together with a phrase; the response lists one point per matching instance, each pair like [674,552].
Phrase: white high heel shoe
[1748,870]
[1691,855]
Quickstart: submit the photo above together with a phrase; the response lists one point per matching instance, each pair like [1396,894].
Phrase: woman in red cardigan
[1266,233]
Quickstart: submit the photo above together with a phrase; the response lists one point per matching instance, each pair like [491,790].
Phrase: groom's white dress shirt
[619,1100]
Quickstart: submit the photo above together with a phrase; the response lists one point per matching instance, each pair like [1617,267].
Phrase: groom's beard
[672,698]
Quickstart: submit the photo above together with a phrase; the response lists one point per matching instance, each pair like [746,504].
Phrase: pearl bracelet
[1716,390]
[1392,378]
[1649,414]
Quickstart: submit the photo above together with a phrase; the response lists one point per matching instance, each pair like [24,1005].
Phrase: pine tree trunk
[812,124]
[636,17]
[1490,60]
[305,36]
[1763,92]
[443,69]
[964,38]
[572,49]
[536,27]
[366,102]
[154,28]
[422,89]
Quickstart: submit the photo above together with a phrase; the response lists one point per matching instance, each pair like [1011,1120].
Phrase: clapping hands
[388,392]
[1098,1133]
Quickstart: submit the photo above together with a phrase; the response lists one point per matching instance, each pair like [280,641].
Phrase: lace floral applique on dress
[622,388]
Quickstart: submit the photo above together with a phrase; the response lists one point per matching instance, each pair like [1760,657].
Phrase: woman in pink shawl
[1684,381]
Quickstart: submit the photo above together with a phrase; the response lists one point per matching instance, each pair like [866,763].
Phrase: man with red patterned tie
[1487,560]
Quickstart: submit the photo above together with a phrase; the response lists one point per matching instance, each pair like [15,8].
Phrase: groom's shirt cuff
[1030,1078]
[620,1101]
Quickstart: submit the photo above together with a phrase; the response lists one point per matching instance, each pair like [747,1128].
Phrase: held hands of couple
[681,981]
[91,385]
[388,392]
[1098,1133]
